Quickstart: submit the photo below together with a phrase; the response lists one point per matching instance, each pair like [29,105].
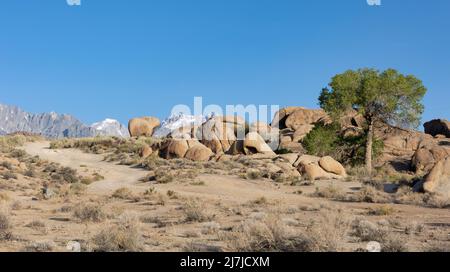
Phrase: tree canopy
[386,96]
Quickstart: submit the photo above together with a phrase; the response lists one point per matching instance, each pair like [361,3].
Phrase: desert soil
[226,198]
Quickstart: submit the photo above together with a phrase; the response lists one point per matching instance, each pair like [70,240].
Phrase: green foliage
[387,96]
[326,140]
[322,141]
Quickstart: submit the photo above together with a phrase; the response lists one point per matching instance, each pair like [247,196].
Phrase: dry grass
[40,246]
[274,234]
[370,194]
[195,212]
[89,213]
[382,211]
[367,231]
[5,226]
[123,193]
[125,236]
[330,192]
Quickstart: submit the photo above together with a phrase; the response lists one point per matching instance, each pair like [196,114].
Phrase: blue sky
[120,59]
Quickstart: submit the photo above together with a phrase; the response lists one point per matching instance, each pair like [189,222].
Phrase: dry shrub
[260,201]
[40,246]
[125,236]
[9,175]
[273,234]
[5,226]
[330,192]
[36,224]
[369,194]
[382,210]
[123,193]
[437,246]
[5,223]
[210,228]
[368,231]
[253,174]
[89,212]
[195,212]
[4,196]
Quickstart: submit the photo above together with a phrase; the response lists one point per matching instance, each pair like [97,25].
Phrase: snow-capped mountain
[110,127]
[54,125]
[176,121]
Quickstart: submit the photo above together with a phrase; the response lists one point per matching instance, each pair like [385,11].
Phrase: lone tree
[386,96]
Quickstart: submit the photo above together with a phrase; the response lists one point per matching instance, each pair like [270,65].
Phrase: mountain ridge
[54,125]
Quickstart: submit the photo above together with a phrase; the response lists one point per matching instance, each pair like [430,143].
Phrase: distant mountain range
[54,125]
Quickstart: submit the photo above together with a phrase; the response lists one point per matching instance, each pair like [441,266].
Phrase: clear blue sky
[122,58]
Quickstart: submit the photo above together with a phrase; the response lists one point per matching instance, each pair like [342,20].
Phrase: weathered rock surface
[254,143]
[332,166]
[142,126]
[199,152]
[311,167]
[438,180]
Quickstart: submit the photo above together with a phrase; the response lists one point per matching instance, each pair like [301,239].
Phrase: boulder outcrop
[438,180]
[438,127]
[142,126]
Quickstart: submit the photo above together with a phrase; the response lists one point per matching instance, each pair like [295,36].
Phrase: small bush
[368,231]
[381,211]
[194,212]
[31,173]
[124,236]
[89,212]
[9,175]
[6,164]
[5,223]
[273,234]
[42,246]
[69,175]
[4,196]
[123,193]
[18,153]
[325,140]
[330,192]
[253,174]
[36,224]
[370,194]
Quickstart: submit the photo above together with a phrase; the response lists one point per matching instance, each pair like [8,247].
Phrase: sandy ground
[220,194]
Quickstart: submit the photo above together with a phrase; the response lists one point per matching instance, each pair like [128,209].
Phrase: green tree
[386,96]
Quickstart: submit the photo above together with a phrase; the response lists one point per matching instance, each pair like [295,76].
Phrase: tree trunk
[369,144]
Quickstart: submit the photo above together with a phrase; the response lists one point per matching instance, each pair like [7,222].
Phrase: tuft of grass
[125,236]
[330,192]
[382,211]
[123,193]
[40,246]
[4,196]
[259,201]
[5,226]
[89,213]
[273,234]
[9,175]
[194,212]
[253,174]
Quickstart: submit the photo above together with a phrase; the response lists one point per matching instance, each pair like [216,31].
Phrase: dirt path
[217,187]
[116,176]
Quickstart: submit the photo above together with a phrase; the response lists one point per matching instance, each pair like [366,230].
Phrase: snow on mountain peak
[176,121]
[110,127]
